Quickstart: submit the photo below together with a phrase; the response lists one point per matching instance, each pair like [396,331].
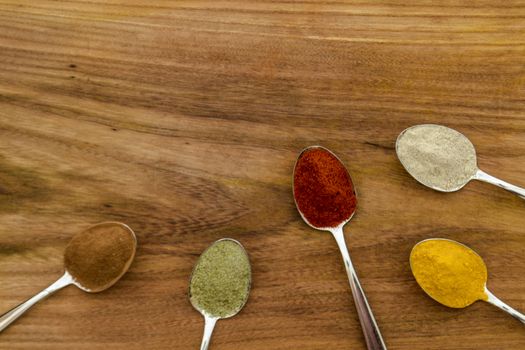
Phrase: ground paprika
[323,189]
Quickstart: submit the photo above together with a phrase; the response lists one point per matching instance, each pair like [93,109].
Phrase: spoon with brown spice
[220,284]
[94,260]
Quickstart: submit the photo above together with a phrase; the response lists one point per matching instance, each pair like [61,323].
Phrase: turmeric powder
[449,272]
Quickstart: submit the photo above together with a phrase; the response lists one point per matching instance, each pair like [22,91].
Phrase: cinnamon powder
[97,257]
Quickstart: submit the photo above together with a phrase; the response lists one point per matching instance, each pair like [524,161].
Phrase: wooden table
[184,119]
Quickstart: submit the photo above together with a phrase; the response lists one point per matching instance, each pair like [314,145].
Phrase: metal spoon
[209,319]
[475,174]
[373,338]
[484,295]
[67,279]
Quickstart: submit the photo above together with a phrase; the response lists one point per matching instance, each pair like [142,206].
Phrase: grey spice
[437,156]
[220,282]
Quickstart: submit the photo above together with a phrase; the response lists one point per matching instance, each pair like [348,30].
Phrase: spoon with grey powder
[220,283]
[94,260]
[443,159]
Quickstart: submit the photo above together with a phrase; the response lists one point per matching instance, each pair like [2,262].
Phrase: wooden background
[183,119]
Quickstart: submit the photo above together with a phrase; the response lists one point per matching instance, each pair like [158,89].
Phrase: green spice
[220,282]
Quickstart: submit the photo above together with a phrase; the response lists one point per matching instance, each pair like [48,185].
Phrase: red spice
[323,189]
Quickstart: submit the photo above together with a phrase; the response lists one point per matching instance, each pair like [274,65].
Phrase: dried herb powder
[323,190]
[97,257]
[437,156]
[220,283]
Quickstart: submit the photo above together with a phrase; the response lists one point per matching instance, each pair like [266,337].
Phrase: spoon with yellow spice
[453,274]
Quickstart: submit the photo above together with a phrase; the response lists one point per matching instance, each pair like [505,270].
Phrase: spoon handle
[209,325]
[483,176]
[10,316]
[374,340]
[492,299]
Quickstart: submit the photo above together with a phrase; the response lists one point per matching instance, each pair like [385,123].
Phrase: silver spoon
[67,279]
[210,316]
[482,292]
[432,175]
[373,338]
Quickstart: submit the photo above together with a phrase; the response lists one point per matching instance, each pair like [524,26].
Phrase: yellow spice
[449,272]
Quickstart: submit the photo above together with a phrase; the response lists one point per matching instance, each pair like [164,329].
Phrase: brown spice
[100,255]
[323,189]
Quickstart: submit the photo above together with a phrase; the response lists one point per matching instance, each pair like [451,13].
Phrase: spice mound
[449,272]
[220,283]
[323,189]
[100,255]
[437,156]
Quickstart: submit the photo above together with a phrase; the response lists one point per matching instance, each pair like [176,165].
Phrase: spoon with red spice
[326,199]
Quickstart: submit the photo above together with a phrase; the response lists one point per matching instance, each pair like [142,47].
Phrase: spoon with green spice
[220,283]
[443,159]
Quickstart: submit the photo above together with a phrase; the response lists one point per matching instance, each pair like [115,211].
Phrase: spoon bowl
[415,156]
[345,218]
[440,257]
[443,159]
[71,276]
[326,200]
[78,262]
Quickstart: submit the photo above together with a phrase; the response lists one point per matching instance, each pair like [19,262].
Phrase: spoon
[460,261]
[220,284]
[449,144]
[71,277]
[344,210]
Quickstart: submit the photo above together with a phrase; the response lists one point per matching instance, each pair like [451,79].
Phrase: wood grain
[183,119]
